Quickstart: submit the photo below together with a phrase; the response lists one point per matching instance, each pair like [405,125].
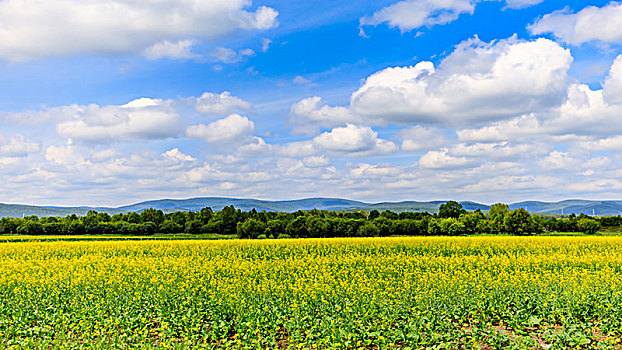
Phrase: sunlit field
[374,293]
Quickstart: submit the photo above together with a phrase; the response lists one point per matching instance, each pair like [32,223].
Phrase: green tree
[452,227]
[451,209]
[518,222]
[496,215]
[169,226]
[229,218]
[133,218]
[297,227]
[152,215]
[193,227]
[470,221]
[251,228]
[434,227]
[589,226]
[274,228]
[206,215]
[373,214]
[317,227]
[368,230]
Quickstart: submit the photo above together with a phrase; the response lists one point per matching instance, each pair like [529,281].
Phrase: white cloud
[411,14]
[166,49]
[222,104]
[63,155]
[226,55]
[597,162]
[501,131]
[354,140]
[586,113]
[256,146]
[265,44]
[17,146]
[558,160]
[612,89]
[175,154]
[419,138]
[299,79]
[590,24]
[366,171]
[34,29]
[496,151]
[316,161]
[298,149]
[605,144]
[501,184]
[309,115]
[519,4]
[141,119]
[479,82]
[441,160]
[232,129]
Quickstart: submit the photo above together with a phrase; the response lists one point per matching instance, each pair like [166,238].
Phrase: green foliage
[451,209]
[250,228]
[518,222]
[589,226]
[452,220]
[368,230]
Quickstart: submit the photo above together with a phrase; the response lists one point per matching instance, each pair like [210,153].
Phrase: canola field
[373,293]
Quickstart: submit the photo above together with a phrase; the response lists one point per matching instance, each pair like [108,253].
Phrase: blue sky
[113,102]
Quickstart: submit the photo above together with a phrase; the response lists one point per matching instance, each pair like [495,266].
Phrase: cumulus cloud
[496,150]
[222,104]
[175,154]
[354,140]
[316,161]
[558,160]
[479,82]
[612,89]
[501,131]
[419,138]
[613,143]
[141,119]
[514,182]
[349,141]
[590,24]
[442,160]
[584,115]
[256,146]
[366,171]
[166,49]
[17,146]
[232,129]
[34,29]
[63,155]
[308,116]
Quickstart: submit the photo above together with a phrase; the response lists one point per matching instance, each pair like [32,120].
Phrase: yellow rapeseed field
[374,293]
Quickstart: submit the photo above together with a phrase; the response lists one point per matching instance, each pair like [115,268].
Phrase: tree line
[452,220]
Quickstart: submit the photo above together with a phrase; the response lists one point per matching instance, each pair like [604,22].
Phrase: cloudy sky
[110,102]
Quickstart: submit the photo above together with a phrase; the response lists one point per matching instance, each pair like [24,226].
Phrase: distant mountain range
[217,203]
